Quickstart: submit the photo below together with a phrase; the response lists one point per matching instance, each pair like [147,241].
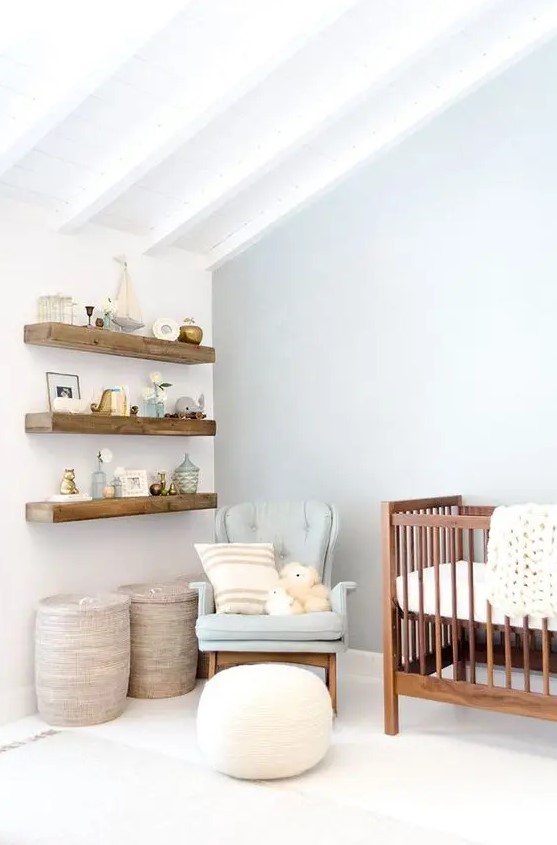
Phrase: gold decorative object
[105,405]
[190,333]
[155,489]
[68,486]
[172,489]
[164,490]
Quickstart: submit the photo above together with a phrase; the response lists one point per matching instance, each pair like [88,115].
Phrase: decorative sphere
[108,492]
[155,489]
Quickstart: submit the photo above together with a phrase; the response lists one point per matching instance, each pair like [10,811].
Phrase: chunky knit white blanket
[521,570]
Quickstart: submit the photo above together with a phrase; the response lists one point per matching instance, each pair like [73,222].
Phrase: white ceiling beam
[536,27]
[179,125]
[75,72]
[317,117]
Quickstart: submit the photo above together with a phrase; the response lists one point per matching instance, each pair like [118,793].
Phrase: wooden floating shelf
[50,512]
[60,423]
[83,339]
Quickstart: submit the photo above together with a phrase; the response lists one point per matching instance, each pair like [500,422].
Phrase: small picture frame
[62,386]
[134,483]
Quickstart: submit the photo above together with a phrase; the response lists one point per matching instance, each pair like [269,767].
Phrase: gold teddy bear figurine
[68,486]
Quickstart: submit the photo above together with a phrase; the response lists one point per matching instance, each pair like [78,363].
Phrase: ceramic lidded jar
[186,476]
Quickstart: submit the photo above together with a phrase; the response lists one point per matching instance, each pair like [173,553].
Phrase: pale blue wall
[399,337]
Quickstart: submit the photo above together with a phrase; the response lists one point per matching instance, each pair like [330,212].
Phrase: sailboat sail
[128,313]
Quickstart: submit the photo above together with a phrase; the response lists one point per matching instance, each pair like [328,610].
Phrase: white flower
[147,393]
[156,378]
[105,456]
[118,472]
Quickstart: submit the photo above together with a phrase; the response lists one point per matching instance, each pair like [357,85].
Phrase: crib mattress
[462,595]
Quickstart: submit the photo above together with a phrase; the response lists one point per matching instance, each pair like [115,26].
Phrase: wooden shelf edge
[60,423]
[57,512]
[83,339]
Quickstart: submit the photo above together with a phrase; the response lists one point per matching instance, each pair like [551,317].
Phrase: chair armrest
[339,603]
[339,594]
[206,597]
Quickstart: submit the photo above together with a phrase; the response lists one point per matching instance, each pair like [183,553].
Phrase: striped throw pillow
[241,574]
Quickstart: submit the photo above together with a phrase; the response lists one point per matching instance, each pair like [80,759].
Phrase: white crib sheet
[462,595]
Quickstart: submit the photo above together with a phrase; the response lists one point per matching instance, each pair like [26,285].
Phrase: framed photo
[134,483]
[62,386]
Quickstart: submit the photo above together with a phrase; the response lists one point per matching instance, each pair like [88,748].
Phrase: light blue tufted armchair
[300,531]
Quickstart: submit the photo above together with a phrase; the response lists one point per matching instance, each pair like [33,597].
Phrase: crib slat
[432,632]
[508,664]
[421,620]
[546,644]
[471,608]
[398,632]
[458,542]
[425,563]
[489,646]
[412,567]
[438,640]
[404,570]
[526,653]
[445,630]
[454,623]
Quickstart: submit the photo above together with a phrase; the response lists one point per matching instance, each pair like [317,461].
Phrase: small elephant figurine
[68,486]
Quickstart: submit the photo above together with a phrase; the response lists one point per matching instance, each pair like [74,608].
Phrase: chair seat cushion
[303,627]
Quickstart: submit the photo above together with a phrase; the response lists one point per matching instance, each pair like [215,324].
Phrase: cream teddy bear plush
[281,603]
[302,583]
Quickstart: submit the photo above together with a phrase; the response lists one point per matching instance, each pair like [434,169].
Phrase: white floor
[487,777]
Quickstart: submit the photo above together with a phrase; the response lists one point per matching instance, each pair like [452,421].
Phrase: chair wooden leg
[212,664]
[331,680]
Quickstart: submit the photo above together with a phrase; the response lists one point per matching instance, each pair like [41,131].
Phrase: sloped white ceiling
[202,124]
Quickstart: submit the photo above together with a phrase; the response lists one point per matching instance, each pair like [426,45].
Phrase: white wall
[40,560]
[399,338]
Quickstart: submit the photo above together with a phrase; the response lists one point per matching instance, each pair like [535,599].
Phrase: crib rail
[457,641]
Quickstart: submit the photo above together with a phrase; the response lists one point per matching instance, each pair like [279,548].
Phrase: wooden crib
[442,639]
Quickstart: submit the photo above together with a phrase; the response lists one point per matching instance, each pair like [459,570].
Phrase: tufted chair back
[301,531]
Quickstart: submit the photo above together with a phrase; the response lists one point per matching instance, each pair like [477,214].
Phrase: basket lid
[191,579]
[67,603]
[160,593]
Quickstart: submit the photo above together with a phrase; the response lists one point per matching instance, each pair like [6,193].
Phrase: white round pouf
[264,721]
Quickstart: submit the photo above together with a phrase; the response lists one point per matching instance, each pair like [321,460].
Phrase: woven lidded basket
[82,658]
[202,656]
[163,641]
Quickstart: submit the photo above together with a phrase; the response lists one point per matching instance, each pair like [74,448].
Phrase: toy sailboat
[128,313]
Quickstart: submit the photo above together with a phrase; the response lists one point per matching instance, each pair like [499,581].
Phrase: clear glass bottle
[186,476]
[160,406]
[98,482]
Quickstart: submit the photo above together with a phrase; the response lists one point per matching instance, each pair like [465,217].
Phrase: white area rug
[73,789]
